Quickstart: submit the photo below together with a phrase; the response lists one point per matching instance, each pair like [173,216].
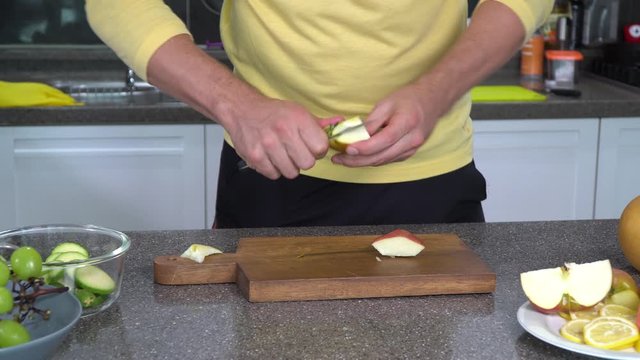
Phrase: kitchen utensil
[577,23]
[347,130]
[242,165]
[601,18]
[563,31]
[333,267]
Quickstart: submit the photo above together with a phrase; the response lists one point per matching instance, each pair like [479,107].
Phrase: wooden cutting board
[334,267]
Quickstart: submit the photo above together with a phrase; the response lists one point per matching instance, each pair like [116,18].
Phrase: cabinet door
[143,177]
[213,140]
[537,169]
[618,166]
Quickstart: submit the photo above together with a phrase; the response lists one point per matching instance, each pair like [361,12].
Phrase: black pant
[247,199]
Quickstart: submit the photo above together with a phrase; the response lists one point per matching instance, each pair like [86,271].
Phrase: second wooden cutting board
[334,267]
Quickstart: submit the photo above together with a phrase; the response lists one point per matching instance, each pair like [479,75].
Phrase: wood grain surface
[334,267]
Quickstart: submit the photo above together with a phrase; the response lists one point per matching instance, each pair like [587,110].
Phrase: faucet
[130,81]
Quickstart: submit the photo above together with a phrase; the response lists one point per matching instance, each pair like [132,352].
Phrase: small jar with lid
[563,68]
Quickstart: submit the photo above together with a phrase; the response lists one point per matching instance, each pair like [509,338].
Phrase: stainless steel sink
[114,92]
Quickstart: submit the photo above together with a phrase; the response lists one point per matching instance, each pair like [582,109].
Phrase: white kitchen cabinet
[618,166]
[134,177]
[538,169]
[214,137]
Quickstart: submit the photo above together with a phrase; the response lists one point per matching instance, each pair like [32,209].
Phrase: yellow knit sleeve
[134,29]
[532,13]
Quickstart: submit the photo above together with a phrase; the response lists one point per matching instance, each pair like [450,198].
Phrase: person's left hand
[399,124]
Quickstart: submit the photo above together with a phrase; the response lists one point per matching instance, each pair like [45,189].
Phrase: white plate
[547,329]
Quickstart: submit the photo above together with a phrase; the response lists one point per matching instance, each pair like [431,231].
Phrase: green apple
[624,290]
[622,280]
[586,284]
[627,298]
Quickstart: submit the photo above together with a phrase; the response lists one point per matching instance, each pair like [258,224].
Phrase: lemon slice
[619,311]
[588,314]
[573,330]
[197,252]
[584,314]
[611,332]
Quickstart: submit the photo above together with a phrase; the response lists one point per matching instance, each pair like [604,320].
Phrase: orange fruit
[629,232]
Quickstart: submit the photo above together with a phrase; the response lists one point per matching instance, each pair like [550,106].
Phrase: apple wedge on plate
[585,284]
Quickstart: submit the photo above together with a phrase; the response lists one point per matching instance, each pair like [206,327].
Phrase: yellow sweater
[333,57]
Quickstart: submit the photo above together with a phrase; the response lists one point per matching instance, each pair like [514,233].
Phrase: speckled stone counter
[601,98]
[152,321]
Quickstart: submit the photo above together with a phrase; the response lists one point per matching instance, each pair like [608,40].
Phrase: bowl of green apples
[88,260]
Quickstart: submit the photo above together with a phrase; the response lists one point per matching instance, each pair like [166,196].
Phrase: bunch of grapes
[19,299]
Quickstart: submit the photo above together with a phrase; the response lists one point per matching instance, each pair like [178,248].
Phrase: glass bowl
[105,262]
[46,335]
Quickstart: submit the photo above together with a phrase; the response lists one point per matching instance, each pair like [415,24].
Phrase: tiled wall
[64,21]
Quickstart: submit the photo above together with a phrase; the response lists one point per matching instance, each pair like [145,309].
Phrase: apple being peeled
[398,243]
[585,284]
[347,136]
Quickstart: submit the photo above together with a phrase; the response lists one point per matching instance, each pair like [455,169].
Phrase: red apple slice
[398,243]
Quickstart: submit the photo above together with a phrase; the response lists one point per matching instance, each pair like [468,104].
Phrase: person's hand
[399,124]
[278,138]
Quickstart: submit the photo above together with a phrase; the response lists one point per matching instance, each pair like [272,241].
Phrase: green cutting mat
[499,93]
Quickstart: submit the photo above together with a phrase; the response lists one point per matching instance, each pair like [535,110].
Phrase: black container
[577,24]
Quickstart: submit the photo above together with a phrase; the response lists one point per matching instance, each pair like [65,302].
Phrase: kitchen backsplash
[56,22]
[35,22]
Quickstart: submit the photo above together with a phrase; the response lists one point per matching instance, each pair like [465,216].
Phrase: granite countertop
[601,98]
[152,321]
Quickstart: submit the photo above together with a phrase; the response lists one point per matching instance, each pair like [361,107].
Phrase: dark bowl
[47,335]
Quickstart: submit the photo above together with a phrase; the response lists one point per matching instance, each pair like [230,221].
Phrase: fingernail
[336,160]
[352,151]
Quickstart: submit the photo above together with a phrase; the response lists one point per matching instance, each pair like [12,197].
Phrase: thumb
[378,117]
[330,121]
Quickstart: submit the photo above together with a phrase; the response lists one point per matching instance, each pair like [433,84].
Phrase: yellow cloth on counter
[501,93]
[22,94]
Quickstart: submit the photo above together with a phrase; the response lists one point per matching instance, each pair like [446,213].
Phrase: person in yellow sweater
[407,66]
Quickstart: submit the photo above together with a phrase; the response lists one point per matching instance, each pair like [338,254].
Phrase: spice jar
[532,58]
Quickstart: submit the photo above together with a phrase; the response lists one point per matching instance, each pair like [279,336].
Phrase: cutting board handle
[176,270]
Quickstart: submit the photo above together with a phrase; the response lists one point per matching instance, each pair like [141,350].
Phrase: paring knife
[242,165]
[347,130]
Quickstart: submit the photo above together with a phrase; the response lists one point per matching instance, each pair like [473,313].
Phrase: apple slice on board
[197,252]
[398,243]
[587,284]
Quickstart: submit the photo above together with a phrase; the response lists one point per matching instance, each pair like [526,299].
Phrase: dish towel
[501,93]
[21,94]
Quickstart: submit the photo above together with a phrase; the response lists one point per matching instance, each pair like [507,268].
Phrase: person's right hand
[274,137]
[277,137]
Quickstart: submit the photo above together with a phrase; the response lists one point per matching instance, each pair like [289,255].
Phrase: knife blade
[347,130]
